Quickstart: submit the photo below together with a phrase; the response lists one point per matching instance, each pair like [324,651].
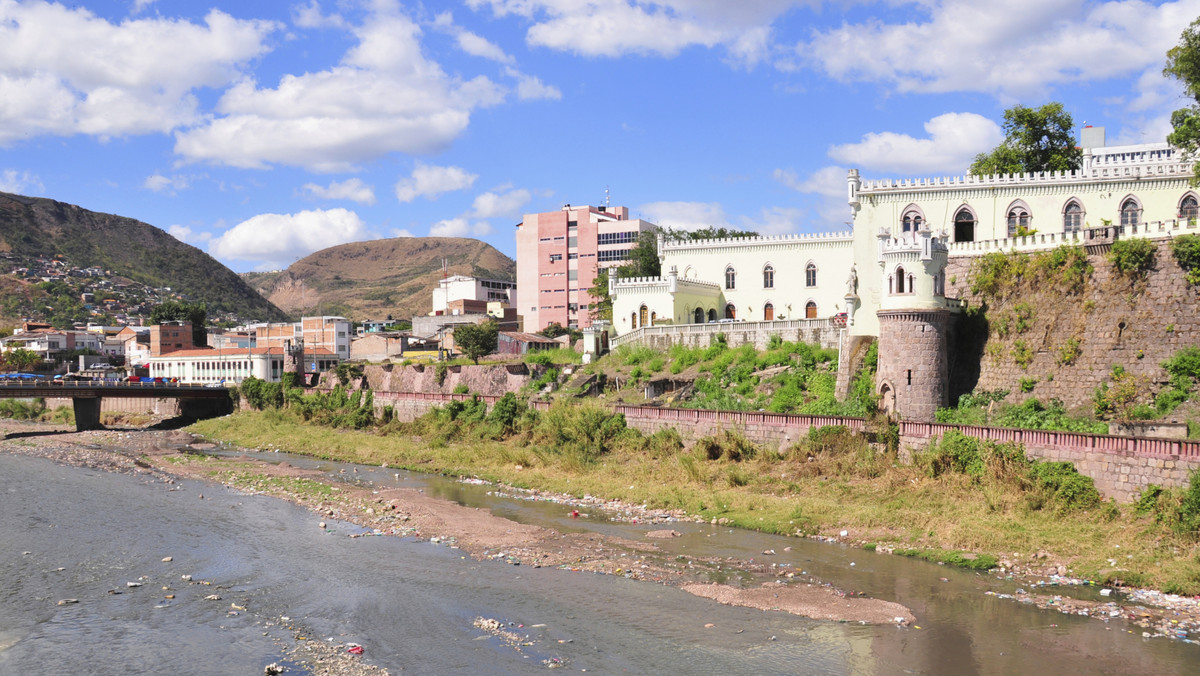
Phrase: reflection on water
[412,604]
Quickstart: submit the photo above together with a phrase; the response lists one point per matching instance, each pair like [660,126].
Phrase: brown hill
[377,278]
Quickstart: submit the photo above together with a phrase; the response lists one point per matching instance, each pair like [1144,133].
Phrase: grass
[822,485]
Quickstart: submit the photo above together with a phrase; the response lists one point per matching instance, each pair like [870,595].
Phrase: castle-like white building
[889,274]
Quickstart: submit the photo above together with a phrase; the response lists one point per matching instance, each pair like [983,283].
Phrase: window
[730,278]
[912,221]
[554,258]
[572,256]
[730,311]
[572,274]
[768,277]
[810,274]
[1073,218]
[964,226]
[1131,212]
[617,237]
[613,255]
[572,224]
[1189,208]
[572,242]
[810,310]
[643,315]
[1018,219]
[900,280]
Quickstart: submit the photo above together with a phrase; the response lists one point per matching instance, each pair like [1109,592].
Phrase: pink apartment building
[558,256]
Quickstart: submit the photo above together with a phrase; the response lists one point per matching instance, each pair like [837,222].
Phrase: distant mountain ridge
[41,227]
[377,278]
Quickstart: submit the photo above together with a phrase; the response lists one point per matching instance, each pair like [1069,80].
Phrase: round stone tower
[914,318]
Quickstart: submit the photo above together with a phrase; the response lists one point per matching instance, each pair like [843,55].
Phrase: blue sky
[263,131]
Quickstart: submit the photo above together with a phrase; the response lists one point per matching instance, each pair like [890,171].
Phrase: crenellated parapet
[815,239]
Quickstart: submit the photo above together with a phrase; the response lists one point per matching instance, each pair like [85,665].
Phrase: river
[72,533]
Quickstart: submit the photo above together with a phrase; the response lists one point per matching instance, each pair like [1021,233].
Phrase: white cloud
[662,27]
[476,45]
[184,233]
[353,189]
[279,239]
[459,227]
[140,6]
[65,71]
[310,16]
[166,184]
[774,221]
[532,88]
[954,141]
[20,182]
[494,205]
[385,96]
[402,232]
[685,215]
[828,184]
[1013,49]
[430,181]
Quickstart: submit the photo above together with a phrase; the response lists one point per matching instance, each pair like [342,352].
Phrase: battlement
[817,238]
[650,282]
[1051,240]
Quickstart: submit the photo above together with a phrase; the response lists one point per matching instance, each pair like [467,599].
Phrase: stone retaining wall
[166,407]
[766,429]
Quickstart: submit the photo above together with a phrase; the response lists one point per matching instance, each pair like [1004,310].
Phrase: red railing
[1067,441]
[695,415]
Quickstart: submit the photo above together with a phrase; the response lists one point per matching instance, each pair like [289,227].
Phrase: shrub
[1133,257]
[582,432]
[260,394]
[1022,354]
[439,373]
[1115,400]
[1069,352]
[1068,488]
[461,388]
[1023,314]
[1027,384]
[1186,249]
[729,445]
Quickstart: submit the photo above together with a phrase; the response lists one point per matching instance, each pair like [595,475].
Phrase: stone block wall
[1121,467]
[912,375]
[770,430]
[484,379]
[166,407]
[1133,323]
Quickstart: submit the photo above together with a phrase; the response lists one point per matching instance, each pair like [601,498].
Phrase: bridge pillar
[87,413]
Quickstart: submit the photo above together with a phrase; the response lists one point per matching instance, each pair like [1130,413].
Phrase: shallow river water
[72,533]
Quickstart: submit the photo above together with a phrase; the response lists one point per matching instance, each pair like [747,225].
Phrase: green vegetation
[476,340]
[1183,64]
[1118,397]
[1022,354]
[1035,139]
[174,311]
[1069,352]
[1186,249]
[1133,257]
[1178,509]
[988,408]
[997,276]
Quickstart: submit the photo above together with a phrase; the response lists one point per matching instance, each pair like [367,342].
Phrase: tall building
[463,287]
[558,256]
[318,333]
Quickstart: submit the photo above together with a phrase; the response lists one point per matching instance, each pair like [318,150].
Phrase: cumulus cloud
[184,233]
[166,184]
[532,88]
[20,182]
[459,227]
[430,181]
[476,45]
[774,221]
[310,16]
[827,181]
[353,189]
[1014,49]
[662,27]
[685,215]
[402,232]
[384,96]
[65,71]
[495,204]
[276,240]
[953,142]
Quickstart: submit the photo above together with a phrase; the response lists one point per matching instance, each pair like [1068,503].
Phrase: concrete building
[231,366]
[463,287]
[558,256]
[170,337]
[318,333]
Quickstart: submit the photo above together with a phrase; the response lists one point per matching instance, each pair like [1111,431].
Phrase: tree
[1183,64]
[603,307]
[708,233]
[21,359]
[1035,139]
[643,257]
[476,340]
[175,311]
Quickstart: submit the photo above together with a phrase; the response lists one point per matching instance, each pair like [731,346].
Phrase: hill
[377,278]
[32,227]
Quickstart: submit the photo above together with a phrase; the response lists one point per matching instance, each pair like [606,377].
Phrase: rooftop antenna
[445,268]
[606,196]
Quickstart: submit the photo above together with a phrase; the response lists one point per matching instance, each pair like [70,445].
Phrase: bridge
[86,395]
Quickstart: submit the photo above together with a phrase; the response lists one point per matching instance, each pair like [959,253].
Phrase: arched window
[653,317]
[1189,208]
[1131,212]
[643,315]
[712,314]
[900,280]
[768,277]
[1018,218]
[964,226]
[912,222]
[730,311]
[633,319]
[1073,218]
[730,277]
[768,312]
[698,316]
[810,310]
[810,274]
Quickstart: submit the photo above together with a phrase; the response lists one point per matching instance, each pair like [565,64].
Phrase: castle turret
[914,319]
